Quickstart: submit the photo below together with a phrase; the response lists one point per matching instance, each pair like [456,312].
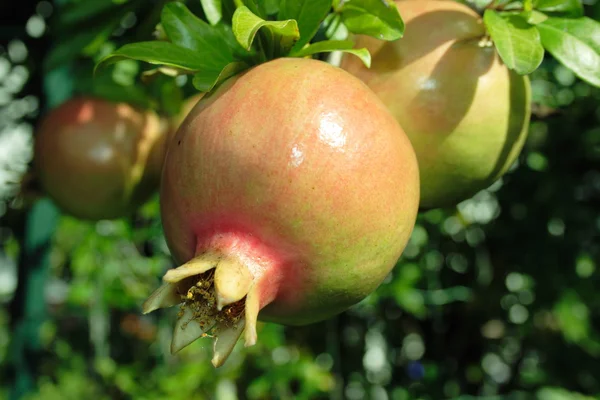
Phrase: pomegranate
[465,113]
[173,125]
[98,159]
[283,201]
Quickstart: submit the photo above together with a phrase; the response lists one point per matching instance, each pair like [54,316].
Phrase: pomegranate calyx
[232,282]
[165,296]
[190,327]
[195,266]
[218,298]
[169,293]
[225,341]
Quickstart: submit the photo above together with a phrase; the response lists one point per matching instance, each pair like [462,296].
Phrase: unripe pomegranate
[465,113]
[289,193]
[98,159]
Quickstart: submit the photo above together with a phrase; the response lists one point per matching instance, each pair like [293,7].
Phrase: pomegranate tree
[282,202]
[97,159]
[465,112]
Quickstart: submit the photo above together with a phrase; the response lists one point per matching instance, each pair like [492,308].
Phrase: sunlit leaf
[212,10]
[246,25]
[160,53]
[345,46]
[570,8]
[517,42]
[308,13]
[575,43]
[186,30]
[377,18]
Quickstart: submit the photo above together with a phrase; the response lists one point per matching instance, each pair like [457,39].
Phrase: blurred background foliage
[496,298]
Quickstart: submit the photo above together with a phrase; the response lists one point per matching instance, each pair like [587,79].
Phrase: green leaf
[206,80]
[245,26]
[536,17]
[576,44]
[256,7]
[212,10]
[517,42]
[186,30]
[272,6]
[568,8]
[228,7]
[334,45]
[334,28]
[377,18]
[226,33]
[324,46]
[308,13]
[160,53]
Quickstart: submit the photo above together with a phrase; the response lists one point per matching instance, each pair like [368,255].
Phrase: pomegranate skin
[466,114]
[297,168]
[97,159]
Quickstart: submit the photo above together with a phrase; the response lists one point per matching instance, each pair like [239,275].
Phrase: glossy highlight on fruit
[97,159]
[465,113]
[282,202]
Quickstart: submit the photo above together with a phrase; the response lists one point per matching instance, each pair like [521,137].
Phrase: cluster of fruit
[289,191]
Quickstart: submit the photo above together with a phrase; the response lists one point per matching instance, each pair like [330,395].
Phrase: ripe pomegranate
[98,159]
[465,113]
[173,125]
[283,201]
